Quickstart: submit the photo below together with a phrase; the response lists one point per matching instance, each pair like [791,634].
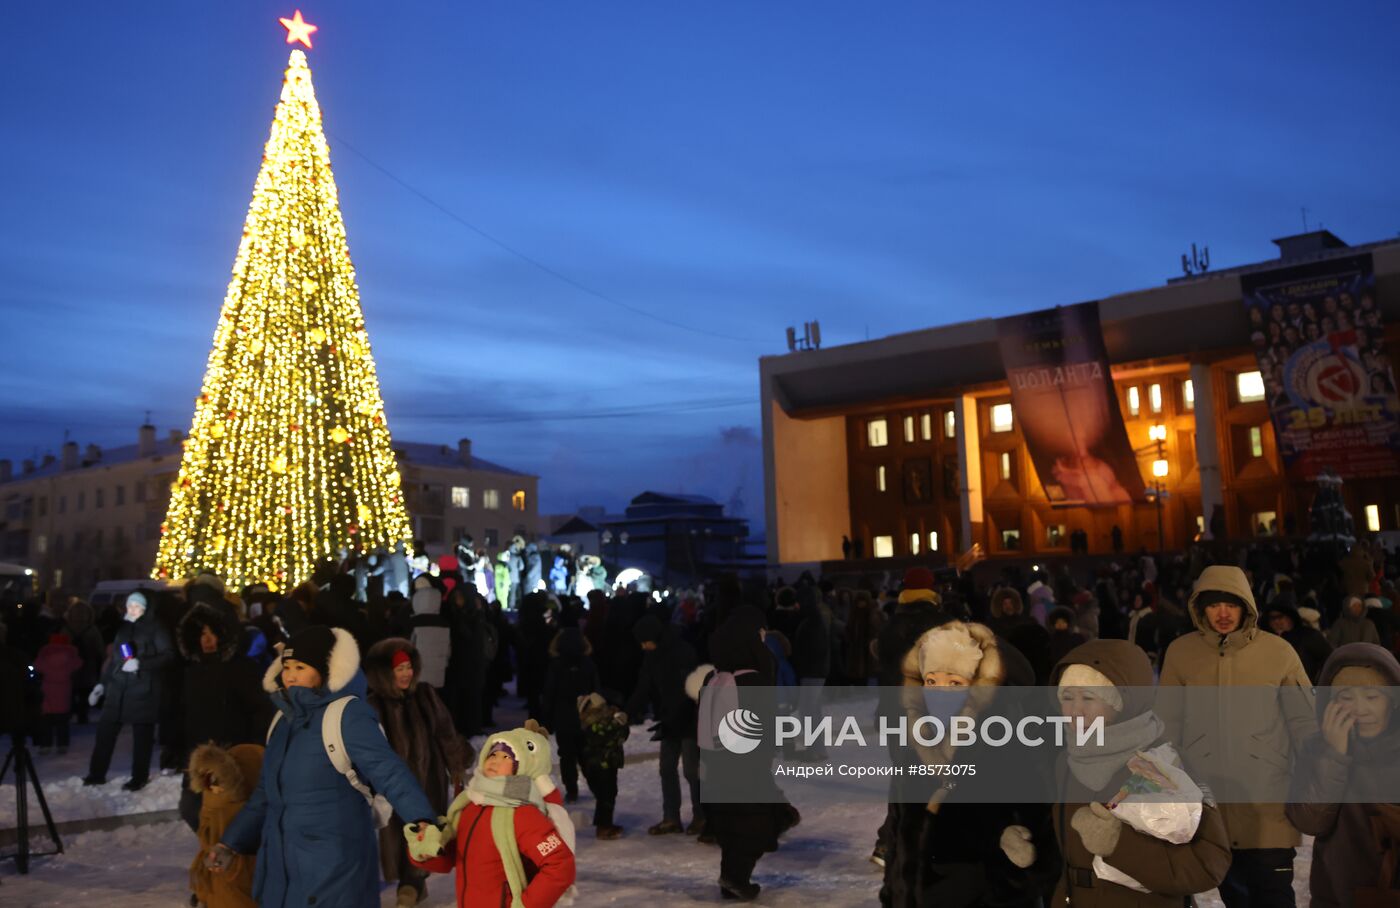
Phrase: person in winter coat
[1006,612]
[863,624]
[1063,635]
[223,699]
[962,853]
[312,832]
[743,831]
[507,835]
[534,569]
[141,651]
[668,660]
[1307,641]
[58,662]
[571,675]
[1112,680]
[81,625]
[811,659]
[223,780]
[532,655]
[473,648]
[431,633]
[603,729]
[1357,571]
[1352,626]
[1341,773]
[420,731]
[1229,649]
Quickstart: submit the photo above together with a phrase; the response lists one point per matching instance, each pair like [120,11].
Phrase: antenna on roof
[1198,263]
[792,339]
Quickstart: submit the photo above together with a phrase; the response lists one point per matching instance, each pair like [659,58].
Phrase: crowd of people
[312,771]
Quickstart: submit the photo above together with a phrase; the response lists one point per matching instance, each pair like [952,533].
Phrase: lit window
[1011,540]
[490,499]
[950,424]
[1250,386]
[1373,518]
[1056,535]
[517,500]
[1256,442]
[926,427]
[1264,523]
[914,543]
[1154,397]
[461,497]
[908,430]
[933,541]
[1134,404]
[880,478]
[1002,418]
[1200,523]
[884,546]
[877,433]
[1005,464]
[41,544]
[1188,394]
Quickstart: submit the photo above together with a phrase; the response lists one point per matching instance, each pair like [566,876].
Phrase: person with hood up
[313,832]
[223,780]
[1284,619]
[744,831]
[666,663]
[571,675]
[1042,600]
[431,633]
[131,683]
[1063,634]
[222,697]
[507,835]
[1112,680]
[57,662]
[811,660]
[603,729]
[1352,626]
[81,625]
[1006,612]
[961,853]
[1229,649]
[420,731]
[1340,777]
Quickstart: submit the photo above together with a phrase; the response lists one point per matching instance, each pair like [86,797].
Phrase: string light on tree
[289,456]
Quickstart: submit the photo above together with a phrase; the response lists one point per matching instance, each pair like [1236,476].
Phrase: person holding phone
[1337,793]
[131,682]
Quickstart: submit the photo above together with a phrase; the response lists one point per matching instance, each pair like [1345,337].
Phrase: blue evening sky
[729,167]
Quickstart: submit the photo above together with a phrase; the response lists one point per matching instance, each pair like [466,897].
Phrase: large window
[1373,518]
[950,424]
[517,500]
[1134,401]
[1250,386]
[933,541]
[909,430]
[1154,397]
[877,433]
[1005,464]
[926,427]
[884,547]
[491,499]
[1002,418]
[1188,394]
[914,541]
[461,497]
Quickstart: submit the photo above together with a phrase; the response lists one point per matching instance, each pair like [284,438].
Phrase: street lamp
[1160,469]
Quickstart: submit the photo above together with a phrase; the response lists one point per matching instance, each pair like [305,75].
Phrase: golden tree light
[289,456]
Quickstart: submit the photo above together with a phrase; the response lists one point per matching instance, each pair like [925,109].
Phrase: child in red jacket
[507,835]
[57,661]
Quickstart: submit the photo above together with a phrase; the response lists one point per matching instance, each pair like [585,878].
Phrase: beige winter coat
[1236,734]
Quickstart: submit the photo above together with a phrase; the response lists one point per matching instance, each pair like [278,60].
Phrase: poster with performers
[1063,398]
[1319,339]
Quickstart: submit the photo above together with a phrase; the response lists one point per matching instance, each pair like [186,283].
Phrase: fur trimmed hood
[379,666]
[192,625]
[990,670]
[695,681]
[344,664]
[234,770]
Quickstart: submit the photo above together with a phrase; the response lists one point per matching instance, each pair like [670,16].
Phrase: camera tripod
[24,777]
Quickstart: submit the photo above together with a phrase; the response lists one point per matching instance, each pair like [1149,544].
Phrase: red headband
[401,657]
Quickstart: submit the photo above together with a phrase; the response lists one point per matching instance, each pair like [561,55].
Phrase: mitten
[1016,845]
[96,695]
[424,840]
[131,665]
[1098,828]
[219,858]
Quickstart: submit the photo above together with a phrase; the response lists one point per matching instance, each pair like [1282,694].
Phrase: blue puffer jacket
[313,834]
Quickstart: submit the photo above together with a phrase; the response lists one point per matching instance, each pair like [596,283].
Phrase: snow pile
[69,799]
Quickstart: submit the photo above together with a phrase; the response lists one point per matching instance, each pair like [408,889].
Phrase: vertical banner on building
[1064,401]
[1318,337]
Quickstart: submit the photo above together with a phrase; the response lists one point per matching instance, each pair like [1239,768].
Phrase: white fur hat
[1080,675]
[950,649]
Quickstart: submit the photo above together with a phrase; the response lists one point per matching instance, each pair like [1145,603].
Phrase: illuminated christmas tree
[288,458]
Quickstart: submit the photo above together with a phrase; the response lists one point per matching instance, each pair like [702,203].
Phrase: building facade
[95,514]
[910,446]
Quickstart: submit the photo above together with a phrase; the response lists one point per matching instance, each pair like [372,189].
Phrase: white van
[18,579]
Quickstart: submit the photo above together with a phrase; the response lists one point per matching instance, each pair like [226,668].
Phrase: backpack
[724,699]
[334,743]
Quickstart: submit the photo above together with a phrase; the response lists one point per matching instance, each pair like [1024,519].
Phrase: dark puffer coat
[135,696]
[420,730]
[1335,796]
[224,702]
[661,682]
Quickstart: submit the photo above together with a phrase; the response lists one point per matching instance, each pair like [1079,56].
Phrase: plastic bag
[1159,799]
